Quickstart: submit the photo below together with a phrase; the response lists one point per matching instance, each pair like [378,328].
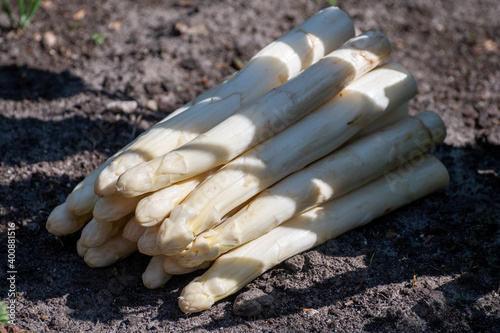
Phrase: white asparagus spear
[80,249]
[273,65]
[147,242]
[389,118]
[133,230]
[107,210]
[154,208]
[62,222]
[235,269]
[95,234]
[116,248]
[154,276]
[261,119]
[304,142]
[171,266]
[333,176]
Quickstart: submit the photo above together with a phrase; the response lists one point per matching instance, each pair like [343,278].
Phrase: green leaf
[6,9]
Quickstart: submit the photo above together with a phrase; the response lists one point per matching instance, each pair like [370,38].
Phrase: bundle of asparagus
[304,143]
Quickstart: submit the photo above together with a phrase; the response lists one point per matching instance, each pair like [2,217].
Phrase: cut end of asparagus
[369,39]
[433,121]
[194,298]
[62,222]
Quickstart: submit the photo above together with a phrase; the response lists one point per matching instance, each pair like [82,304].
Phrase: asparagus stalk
[171,266]
[107,210]
[333,176]
[62,222]
[133,230]
[154,276]
[154,208]
[80,249]
[95,233]
[273,65]
[147,242]
[262,119]
[333,124]
[389,118]
[235,269]
[111,251]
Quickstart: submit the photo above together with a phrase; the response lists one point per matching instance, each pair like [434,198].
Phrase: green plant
[27,10]
[4,317]
[98,38]
[371,259]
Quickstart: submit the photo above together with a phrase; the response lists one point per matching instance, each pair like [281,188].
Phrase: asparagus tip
[194,298]
[62,222]
[174,236]
[96,258]
[104,183]
[135,181]
[154,276]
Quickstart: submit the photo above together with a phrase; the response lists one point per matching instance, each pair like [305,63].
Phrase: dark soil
[432,266]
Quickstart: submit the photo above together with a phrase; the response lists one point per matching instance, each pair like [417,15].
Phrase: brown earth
[433,266]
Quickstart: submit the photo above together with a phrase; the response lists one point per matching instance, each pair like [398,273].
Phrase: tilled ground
[431,266]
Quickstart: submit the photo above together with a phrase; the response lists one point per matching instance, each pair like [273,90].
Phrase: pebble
[124,106]
[152,105]
[49,39]
[252,303]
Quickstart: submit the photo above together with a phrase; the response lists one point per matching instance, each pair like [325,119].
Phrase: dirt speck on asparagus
[431,266]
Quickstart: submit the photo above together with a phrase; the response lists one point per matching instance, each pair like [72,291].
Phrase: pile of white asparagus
[310,139]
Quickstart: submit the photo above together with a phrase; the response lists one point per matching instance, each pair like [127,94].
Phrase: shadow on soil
[51,141]
[464,246]
[90,128]
[18,83]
